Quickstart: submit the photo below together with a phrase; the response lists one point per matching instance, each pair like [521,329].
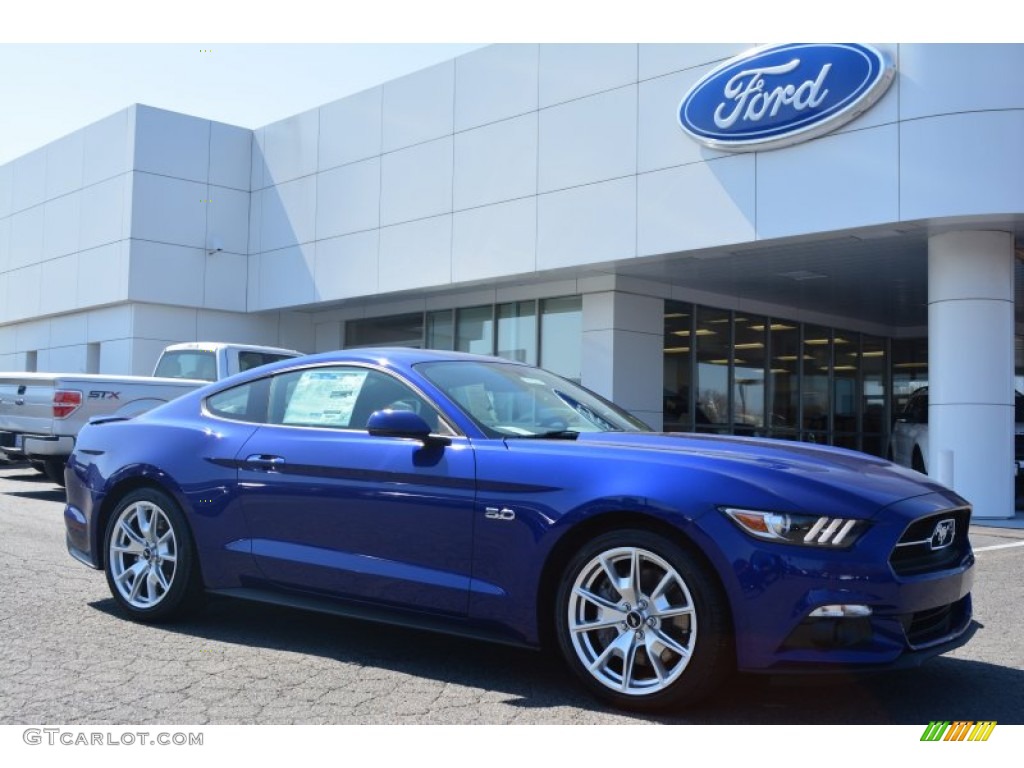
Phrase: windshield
[507,400]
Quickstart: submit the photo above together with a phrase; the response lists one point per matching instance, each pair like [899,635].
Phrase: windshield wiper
[554,434]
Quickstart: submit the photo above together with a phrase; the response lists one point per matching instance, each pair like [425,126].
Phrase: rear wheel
[150,560]
[641,623]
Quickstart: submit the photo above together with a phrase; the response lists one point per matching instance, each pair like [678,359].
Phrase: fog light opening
[840,611]
[832,626]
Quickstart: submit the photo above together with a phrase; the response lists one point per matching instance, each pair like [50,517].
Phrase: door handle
[265,461]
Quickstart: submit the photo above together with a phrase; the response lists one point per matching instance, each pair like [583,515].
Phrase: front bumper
[917,607]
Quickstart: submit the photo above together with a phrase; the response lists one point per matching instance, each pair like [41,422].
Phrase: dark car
[492,499]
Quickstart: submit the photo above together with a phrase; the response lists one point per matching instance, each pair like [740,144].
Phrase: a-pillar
[970,368]
[622,351]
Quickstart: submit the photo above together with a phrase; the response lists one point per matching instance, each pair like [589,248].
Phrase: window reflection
[873,366]
[713,337]
[393,331]
[737,373]
[784,379]
[678,367]
[817,358]
[748,375]
[517,331]
[475,330]
[561,336]
[440,330]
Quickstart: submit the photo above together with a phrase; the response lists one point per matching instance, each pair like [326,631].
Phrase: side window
[341,398]
[246,402]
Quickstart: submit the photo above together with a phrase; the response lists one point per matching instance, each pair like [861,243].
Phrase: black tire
[54,470]
[149,558]
[917,462]
[672,634]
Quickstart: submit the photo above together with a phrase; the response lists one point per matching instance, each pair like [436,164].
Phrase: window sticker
[324,398]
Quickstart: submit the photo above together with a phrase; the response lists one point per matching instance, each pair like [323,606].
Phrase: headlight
[807,530]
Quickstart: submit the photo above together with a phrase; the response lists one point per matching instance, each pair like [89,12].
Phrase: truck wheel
[54,470]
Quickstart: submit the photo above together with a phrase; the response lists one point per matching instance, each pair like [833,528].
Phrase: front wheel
[150,561]
[641,623]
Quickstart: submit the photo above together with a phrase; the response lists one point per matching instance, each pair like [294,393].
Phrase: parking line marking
[999,546]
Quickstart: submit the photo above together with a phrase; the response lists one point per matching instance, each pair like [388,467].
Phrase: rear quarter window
[247,402]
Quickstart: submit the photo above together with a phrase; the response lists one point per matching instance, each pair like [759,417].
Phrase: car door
[335,510]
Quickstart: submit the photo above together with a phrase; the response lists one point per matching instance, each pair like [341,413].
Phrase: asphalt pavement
[67,656]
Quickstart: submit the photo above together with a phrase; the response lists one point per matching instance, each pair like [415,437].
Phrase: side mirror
[388,423]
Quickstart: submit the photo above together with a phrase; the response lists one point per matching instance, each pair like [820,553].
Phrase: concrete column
[622,351]
[970,368]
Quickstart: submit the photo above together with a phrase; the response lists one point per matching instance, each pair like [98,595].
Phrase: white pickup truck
[42,413]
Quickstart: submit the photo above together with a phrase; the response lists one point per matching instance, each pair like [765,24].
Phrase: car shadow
[944,689]
[54,493]
[27,475]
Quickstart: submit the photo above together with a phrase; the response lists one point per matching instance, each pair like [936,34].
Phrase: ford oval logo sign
[778,95]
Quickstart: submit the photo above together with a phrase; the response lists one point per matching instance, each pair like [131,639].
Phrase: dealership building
[575,206]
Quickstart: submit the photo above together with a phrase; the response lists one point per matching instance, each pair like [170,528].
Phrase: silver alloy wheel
[632,621]
[143,554]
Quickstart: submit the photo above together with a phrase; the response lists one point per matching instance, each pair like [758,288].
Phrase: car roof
[214,346]
[399,356]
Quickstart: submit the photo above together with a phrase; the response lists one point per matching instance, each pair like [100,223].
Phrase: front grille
[927,627]
[915,553]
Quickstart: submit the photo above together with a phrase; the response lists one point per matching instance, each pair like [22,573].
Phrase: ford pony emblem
[943,533]
[778,95]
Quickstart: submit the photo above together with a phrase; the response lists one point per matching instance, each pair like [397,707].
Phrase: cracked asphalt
[68,657]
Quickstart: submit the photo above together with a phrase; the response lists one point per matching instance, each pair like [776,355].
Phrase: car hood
[781,469]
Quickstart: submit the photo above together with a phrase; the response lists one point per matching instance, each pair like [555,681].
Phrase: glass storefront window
[752,375]
[561,336]
[748,375]
[475,330]
[713,337]
[845,401]
[817,359]
[440,330]
[874,363]
[393,331]
[678,361]
[909,370]
[784,379]
[517,331]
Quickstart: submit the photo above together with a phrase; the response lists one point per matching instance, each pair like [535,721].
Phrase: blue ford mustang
[488,498]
